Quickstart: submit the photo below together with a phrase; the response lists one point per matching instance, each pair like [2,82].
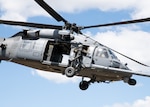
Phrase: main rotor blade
[28,24]
[118,23]
[51,11]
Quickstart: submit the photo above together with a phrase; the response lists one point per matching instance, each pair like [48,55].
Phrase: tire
[132,82]
[83,85]
[70,72]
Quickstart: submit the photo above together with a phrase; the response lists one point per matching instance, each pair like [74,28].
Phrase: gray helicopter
[66,50]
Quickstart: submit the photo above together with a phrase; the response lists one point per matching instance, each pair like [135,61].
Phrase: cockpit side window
[102,53]
[112,55]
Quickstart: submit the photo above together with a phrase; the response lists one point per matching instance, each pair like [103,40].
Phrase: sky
[22,86]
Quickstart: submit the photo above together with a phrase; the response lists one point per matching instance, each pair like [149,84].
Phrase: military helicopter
[65,49]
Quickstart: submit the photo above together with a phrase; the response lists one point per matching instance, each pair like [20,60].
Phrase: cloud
[55,77]
[141,9]
[22,10]
[19,10]
[138,103]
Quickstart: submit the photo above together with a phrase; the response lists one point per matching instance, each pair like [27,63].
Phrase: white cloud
[19,10]
[141,9]
[22,10]
[55,77]
[138,103]
[104,5]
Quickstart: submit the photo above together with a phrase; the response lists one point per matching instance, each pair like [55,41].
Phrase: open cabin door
[56,53]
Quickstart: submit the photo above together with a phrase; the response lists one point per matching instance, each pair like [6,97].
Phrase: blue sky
[27,87]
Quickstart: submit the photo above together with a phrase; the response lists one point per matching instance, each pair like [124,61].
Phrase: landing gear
[84,85]
[70,71]
[75,64]
[130,81]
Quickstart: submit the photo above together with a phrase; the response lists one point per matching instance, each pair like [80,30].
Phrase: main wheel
[84,85]
[70,72]
[132,82]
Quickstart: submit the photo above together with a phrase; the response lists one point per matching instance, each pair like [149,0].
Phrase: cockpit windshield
[102,53]
[112,55]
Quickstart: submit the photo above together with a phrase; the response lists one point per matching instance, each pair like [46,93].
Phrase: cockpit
[102,53]
[105,57]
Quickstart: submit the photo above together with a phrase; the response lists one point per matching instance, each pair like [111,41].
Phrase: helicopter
[66,50]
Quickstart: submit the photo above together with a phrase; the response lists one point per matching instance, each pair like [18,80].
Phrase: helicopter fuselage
[55,55]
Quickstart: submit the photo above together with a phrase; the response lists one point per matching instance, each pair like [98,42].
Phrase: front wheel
[70,72]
